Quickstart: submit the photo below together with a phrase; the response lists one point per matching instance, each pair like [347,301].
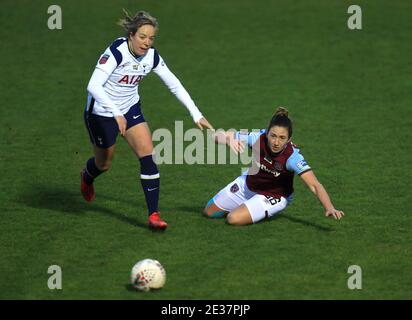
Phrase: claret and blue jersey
[272,174]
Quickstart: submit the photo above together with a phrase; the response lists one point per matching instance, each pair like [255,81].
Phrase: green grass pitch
[349,94]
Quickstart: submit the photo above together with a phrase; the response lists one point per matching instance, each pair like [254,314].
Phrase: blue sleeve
[297,163]
[155,58]
[249,137]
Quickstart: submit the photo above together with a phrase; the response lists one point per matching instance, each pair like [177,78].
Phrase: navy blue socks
[91,172]
[150,179]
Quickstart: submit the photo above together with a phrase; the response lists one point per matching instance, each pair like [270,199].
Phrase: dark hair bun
[281,112]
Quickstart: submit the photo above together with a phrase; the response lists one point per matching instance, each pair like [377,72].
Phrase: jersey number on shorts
[272,200]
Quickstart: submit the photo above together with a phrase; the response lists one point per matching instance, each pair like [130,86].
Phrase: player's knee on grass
[239,218]
[233,219]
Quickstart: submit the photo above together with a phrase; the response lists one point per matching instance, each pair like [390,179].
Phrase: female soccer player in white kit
[267,187]
[114,106]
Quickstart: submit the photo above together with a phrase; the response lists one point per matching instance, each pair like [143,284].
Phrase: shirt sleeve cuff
[197,115]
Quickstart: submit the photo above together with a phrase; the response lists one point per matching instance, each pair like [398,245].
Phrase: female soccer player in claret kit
[267,187]
[113,106]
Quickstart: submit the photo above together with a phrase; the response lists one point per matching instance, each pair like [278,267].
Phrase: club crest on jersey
[278,166]
[145,65]
[104,58]
[234,188]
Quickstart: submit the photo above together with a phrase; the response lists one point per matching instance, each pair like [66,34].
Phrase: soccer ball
[147,274]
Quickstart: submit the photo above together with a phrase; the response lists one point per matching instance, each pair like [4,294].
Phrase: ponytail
[281,119]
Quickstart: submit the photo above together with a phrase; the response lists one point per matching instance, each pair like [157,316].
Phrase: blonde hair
[141,18]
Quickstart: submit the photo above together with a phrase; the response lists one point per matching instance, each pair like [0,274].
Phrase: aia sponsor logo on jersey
[130,79]
[234,188]
[104,59]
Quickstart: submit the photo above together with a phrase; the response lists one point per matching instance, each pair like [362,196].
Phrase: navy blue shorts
[103,131]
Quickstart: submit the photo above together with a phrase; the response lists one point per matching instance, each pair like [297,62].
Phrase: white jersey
[114,86]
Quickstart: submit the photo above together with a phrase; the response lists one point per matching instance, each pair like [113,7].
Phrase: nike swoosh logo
[135,117]
[151,189]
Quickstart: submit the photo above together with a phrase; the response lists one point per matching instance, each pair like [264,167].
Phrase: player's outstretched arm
[203,123]
[317,188]
[176,87]
[228,137]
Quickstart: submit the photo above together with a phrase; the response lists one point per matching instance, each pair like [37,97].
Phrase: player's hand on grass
[337,214]
[122,123]
[204,123]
